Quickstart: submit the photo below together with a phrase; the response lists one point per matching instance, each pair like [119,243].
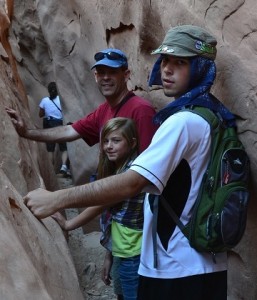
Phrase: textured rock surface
[48,40]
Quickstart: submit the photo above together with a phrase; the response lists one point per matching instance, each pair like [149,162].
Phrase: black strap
[55,105]
[172,213]
[123,101]
[154,230]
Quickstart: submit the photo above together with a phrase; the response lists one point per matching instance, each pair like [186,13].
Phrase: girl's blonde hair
[129,132]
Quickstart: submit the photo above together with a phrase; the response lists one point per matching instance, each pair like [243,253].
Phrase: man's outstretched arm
[56,134]
[106,191]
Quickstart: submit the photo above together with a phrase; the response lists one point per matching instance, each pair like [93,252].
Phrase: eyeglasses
[110,55]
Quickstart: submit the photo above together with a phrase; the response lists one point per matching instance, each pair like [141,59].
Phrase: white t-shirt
[183,136]
[50,108]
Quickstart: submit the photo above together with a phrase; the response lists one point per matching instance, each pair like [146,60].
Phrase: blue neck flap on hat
[203,73]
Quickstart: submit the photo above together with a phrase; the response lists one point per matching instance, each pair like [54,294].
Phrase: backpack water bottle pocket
[231,223]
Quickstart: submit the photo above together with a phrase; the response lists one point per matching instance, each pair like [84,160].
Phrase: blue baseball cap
[111,57]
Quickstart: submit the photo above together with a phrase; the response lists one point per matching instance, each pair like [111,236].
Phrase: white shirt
[50,108]
[183,136]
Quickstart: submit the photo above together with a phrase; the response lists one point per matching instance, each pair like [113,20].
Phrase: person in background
[111,75]
[123,233]
[51,112]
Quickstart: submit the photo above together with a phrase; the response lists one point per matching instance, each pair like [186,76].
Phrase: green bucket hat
[188,41]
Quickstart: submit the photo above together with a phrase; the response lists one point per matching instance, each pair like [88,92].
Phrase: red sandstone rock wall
[35,262]
[56,40]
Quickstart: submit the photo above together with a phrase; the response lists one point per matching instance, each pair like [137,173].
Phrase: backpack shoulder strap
[123,101]
[213,119]
[172,213]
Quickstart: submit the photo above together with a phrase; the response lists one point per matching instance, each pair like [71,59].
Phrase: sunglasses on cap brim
[110,55]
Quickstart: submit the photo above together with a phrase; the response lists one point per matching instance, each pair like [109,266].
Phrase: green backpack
[219,215]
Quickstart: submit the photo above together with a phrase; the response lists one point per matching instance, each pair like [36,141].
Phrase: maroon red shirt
[136,108]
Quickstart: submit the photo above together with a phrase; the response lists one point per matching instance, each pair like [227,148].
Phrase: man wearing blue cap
[111,75]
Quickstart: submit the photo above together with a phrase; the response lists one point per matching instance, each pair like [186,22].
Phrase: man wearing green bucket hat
[173,166]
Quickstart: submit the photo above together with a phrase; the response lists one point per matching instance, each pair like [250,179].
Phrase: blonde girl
[118,148]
